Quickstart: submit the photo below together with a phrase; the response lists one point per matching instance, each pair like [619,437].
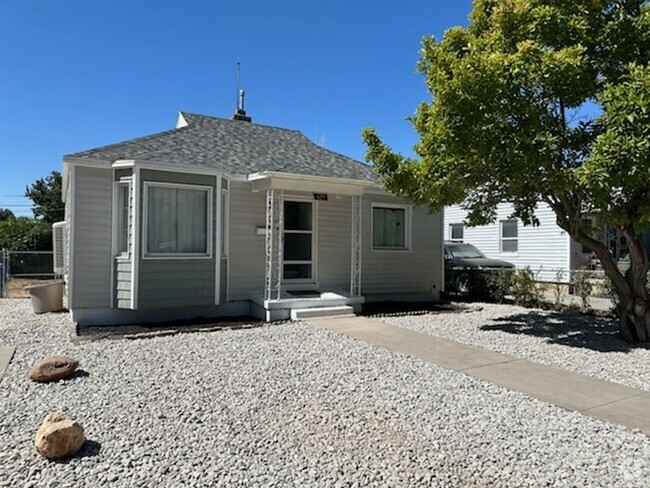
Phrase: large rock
[53,368]
[59,437]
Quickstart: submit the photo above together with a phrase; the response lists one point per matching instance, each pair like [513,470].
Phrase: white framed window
[391,227]
[456,232]
[509,236]
[177,221]
[122,219]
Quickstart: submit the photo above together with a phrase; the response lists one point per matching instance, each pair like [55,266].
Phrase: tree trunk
[634,318]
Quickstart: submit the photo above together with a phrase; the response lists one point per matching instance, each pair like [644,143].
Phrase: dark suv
[467,269]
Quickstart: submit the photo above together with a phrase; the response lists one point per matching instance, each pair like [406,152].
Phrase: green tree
[25,234]
[6,214]
[46,195]
[539,101]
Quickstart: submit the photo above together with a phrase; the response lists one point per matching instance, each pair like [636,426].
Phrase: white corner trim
[135,257]
[71,236]
[218,202]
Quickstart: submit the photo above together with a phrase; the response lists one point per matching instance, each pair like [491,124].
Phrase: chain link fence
[24,266]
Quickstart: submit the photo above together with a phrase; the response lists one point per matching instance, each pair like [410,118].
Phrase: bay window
[178,220]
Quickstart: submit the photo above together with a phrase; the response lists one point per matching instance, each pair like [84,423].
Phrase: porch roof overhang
[275,180]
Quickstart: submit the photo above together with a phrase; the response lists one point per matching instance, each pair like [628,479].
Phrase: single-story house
[547,249]
[225,217]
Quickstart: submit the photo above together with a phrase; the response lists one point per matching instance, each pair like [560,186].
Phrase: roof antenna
[240,113]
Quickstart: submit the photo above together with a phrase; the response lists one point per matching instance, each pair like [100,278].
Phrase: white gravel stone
[586,344]
[288,405]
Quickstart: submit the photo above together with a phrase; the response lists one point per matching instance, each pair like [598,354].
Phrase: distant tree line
[34,233]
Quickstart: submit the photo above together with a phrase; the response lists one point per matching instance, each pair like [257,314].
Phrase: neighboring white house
[547,249]
[221,217]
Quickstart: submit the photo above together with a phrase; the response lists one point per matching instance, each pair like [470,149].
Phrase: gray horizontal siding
[123,284]
[164,283]
[545,249]
[247,249]
[176,283]
[91,280]
[334,223]
[416,271]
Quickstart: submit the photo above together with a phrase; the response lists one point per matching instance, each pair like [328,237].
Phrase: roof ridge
[224,119]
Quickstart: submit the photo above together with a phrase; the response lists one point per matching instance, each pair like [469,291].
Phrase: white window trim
[121,256]
[175,256]
[225,224]
[314,238]
[407,231]
[501,238]
[451,235]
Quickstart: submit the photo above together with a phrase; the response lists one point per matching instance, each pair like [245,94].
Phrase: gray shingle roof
[235,147]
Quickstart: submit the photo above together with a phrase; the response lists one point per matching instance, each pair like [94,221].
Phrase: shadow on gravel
[408,308]
[567,329]
[80,373]
[90,448]
[159,329]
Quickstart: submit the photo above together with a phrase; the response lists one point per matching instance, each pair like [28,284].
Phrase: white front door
[299,243]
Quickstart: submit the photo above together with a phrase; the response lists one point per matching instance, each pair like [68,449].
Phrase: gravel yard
[582,343]
[291,405]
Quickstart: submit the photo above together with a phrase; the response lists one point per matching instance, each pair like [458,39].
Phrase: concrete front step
[313,312]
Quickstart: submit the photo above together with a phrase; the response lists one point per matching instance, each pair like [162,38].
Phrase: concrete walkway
[6,353]
[598,398]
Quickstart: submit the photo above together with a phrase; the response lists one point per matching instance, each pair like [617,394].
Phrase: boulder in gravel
[59,437]
[53,368]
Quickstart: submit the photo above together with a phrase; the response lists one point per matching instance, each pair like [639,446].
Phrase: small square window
[389,228]
[456,232]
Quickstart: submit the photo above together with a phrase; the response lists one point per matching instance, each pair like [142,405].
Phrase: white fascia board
[123,163]
[294,176]
[178,168]
[95,163]
[152,165]
[65,182]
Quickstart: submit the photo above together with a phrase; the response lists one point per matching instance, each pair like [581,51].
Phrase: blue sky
[80,74]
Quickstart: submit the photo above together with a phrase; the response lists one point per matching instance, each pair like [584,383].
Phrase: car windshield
[464,251]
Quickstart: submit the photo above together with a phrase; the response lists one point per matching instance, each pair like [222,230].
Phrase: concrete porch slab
[6,353]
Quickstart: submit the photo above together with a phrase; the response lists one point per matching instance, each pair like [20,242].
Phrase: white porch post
[274,244]
[355,267]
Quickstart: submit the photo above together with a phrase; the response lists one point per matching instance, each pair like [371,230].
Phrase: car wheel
[462,284]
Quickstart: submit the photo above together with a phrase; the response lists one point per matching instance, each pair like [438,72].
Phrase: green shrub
[498,285]
[582,286]
[559,289]
[610,292]
[525,289]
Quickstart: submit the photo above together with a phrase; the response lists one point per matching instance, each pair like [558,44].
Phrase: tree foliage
[46,195]
[25,234]
[539,101]
[6,214]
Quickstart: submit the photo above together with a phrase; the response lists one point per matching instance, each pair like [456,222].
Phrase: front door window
[298,241]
